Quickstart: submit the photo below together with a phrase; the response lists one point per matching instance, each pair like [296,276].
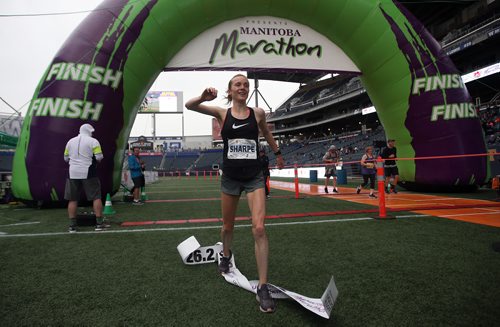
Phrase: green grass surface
[415,271]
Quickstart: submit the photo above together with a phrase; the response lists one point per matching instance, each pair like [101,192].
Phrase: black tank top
[241,146]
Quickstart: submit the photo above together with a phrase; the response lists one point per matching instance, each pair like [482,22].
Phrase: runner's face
[239,88]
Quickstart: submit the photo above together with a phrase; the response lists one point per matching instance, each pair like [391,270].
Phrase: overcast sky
[30,39]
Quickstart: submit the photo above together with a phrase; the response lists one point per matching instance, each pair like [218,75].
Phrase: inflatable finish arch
[104,69]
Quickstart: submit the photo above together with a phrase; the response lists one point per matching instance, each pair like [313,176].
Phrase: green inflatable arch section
[358,27]
[138,38]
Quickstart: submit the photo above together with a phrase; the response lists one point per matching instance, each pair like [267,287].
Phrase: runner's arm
[196,104]
[261,121]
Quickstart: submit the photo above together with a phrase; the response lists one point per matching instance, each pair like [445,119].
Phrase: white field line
[419,204]
[19,224]
[471,214]
[402,198]
[200,227]
[447,199]
[182,191]
[488,209]
[215,187]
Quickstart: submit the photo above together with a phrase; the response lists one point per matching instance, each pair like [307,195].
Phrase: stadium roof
[429,12]
[295,77]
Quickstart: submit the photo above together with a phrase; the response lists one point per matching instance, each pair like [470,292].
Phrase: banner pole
[381,190]
[296,181]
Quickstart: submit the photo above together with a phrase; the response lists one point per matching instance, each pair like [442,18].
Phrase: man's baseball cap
[332,147]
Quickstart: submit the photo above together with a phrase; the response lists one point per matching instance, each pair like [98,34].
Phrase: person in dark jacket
[390,166]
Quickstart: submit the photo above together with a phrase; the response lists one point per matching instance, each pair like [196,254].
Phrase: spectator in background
[82,153]
[390,167]
[264,161]
[136,167]
[331,158]
[368,171]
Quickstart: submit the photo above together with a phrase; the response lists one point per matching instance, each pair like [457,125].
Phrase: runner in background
[390,166]
[331,157]
[368,171]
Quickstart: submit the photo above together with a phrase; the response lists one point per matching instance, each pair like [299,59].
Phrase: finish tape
[192,253]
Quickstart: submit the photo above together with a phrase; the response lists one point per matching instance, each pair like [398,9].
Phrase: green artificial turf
[413,271]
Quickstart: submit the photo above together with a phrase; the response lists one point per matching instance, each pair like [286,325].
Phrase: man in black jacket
[390,167]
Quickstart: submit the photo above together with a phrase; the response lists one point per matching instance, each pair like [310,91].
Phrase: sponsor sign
[142,143]
[262,42]
[480,73]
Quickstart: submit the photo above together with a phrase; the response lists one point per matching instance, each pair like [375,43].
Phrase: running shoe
[394,190]
[266,302]
[373,196]
[335,190]
[72,229]
[225,262]
[102,226]
[137,203]
[358,189]
[326,189]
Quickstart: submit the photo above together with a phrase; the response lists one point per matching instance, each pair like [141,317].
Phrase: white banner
[150,177]
[262,42]
[193,254]
[482,72]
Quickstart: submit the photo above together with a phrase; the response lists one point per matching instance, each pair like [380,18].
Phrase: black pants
[371,178]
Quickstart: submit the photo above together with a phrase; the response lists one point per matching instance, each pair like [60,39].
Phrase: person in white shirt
[82,153]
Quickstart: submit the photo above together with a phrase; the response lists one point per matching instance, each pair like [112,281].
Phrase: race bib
[241,149]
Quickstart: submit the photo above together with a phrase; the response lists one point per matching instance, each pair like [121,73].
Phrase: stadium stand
[174,161]
[207,159]
[329,109]
[152,162]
